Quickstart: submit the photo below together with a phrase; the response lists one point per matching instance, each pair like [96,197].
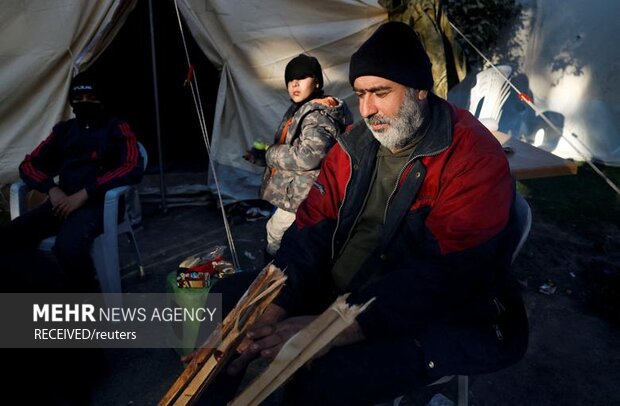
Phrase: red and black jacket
[95,158]
[445,248]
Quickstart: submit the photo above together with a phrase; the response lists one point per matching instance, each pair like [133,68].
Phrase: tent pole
[162,185]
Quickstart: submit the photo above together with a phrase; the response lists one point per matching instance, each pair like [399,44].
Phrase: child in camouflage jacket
[307,131]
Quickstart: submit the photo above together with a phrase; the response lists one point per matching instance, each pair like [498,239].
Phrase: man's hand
[70,203]
[269,334]
[266,340]
[263,327]
[56,195]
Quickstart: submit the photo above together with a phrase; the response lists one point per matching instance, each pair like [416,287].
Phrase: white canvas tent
[250,42]
[573,64]
[565,56]
[42,42]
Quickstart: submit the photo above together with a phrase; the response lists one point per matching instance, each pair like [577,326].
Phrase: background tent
[41,44]
[573,65]
[249,43]
[563,52]
[565,57]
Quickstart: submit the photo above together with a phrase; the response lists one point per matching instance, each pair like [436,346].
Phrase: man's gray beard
[402,129]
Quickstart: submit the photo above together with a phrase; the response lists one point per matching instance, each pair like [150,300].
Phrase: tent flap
[40,43]
[251,42]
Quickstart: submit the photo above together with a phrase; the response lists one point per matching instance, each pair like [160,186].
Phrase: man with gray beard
[403,129]
[414,208]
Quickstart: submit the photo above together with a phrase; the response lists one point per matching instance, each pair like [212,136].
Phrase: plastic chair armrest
[17,198]
[110,208]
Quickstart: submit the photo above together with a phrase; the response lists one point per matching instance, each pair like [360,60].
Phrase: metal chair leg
[132,239]
[463,381]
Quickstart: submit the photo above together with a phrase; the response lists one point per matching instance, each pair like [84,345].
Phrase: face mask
[88,112]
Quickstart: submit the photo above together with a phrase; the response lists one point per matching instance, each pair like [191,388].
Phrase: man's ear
[422,94]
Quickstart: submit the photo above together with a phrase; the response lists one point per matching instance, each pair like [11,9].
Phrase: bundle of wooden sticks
[298,350]
[218,348]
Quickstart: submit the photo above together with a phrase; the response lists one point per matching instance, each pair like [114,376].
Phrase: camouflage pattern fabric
[429,21]
[293,165]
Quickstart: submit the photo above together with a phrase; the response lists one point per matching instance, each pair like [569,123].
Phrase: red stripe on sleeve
[29,169]
[131,159]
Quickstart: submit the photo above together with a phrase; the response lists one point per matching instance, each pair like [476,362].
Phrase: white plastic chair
[524,223]
[105,247]
[488,96]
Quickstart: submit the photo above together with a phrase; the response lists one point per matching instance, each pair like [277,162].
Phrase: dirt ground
[574,352]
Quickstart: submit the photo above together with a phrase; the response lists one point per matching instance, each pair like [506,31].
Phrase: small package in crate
[198,271]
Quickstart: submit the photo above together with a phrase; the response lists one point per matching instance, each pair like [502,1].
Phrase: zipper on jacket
[387,204]
[498,332]
[500,309]
[359,213]
[346,189]
[409,162]
[499,306]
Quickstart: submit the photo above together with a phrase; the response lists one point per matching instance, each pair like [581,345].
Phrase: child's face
[301,89]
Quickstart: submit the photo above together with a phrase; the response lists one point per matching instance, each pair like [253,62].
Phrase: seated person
[413,207]
[91,154]
[307,131]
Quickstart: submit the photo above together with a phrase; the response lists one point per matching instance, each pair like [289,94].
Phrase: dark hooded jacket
[95,157]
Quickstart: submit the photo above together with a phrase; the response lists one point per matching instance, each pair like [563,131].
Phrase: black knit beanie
[393,52]
[303,66]
[84,82]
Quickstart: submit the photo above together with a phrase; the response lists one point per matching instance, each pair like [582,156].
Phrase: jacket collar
[439,134]
[329,105]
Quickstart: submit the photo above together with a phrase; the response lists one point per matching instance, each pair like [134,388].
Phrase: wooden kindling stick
[211,357]
[299,349]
